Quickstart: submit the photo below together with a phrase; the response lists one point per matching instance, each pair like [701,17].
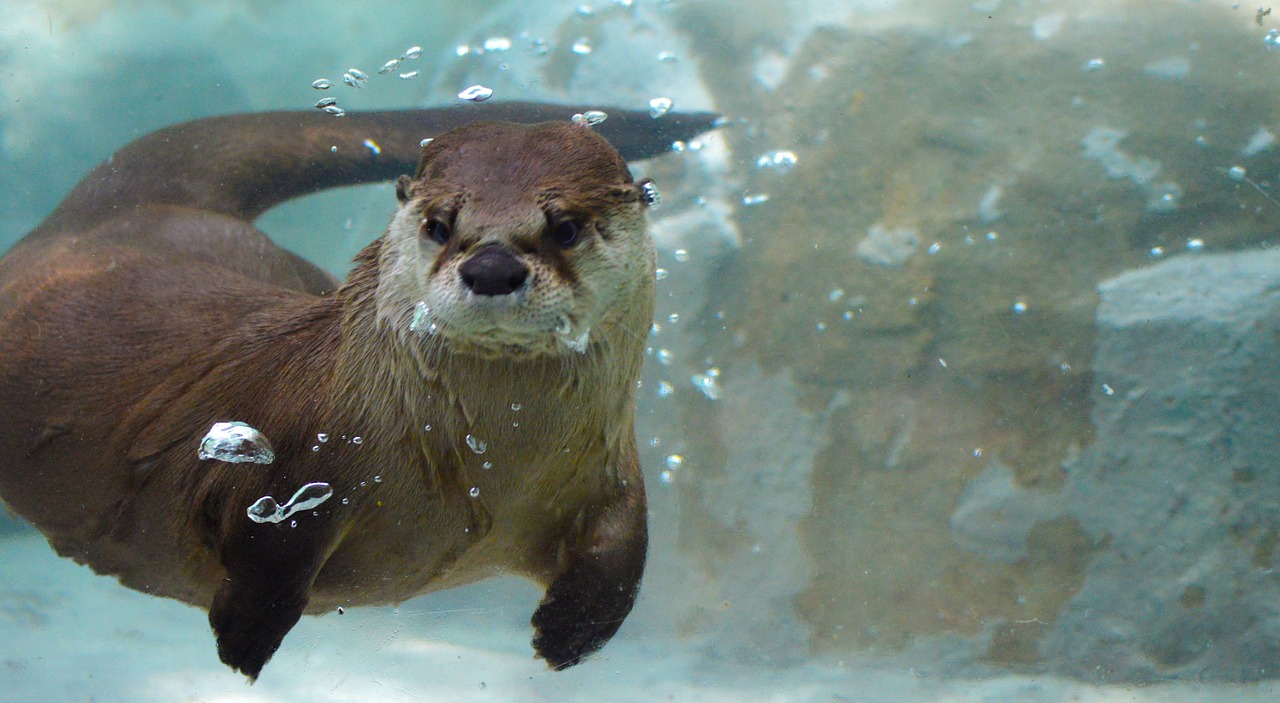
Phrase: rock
[1178,484]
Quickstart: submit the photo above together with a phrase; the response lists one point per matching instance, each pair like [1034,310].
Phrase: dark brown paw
[249,633]
[580,613]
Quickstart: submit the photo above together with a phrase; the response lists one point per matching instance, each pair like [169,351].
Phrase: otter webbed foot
[585,605]
[249,630]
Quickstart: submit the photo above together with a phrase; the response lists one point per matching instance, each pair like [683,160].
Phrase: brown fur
[147,307]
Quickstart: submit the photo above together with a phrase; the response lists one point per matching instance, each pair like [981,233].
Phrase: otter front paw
[581,611]
[250,630]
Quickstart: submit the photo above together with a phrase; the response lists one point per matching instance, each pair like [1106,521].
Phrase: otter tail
[242,165]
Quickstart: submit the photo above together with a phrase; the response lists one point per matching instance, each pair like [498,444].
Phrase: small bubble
[322,437]
[476,444]
[977,452]
[377,479]
[335,111]
[667,57]
[942,362]
[341,610]
[322,84]
[1195,244]
[1092,65]
[660,274]
[582,47]
[408,75]
[413,52]
[835,294]
[424,144]
[515,407]
[649,194]
[476,94]
[1237,173]
[935,248]
[1108,389]
[673,318]
[666,477]
[426,428]
[665,389]
[315,447]
[355,78]
[1019,307]
[780,161]
[584,11]
[708,383]
[293,523]
[474,492]
[487,465]
[326,102]
[590,118]
[346,501]
[357,440]
[659,107]
[674,461]
[497,44]
[681,255]
[755,198]
[389,66]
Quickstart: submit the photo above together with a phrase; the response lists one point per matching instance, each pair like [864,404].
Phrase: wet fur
[147,307]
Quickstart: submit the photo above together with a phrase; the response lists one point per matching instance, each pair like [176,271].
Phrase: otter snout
[493,271]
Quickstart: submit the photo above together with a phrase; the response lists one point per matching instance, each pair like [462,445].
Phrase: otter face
[518,240]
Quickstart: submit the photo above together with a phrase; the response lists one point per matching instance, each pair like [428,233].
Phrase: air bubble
[413,52]
[476,94]
[407,75]
[326,102]
[487,465]
[497,44]
[322,84]
[590,118]
[515,407]
[389,66]
[682,255]
[357,440]
[309,496]
[582,47]
[322,438]
[355,78]
[755,198]
[649,194]
[659,107]
[780,161]
[474,492]
[335,111]
[476,444]
[1237,173]
[674,461]
[236,443]
[424,144]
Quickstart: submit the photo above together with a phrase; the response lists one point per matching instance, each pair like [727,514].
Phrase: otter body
[467,393]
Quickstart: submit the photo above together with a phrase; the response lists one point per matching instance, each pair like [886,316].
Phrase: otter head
[518,239]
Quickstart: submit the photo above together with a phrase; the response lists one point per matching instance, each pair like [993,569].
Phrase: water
[986,289]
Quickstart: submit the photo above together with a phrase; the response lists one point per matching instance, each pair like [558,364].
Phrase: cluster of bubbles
[356,78]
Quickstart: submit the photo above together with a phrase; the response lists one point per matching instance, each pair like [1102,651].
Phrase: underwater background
[964,383]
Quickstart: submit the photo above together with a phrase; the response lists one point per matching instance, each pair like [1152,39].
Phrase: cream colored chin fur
[547,316]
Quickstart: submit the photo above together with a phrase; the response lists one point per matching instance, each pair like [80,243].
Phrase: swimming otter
[461,406]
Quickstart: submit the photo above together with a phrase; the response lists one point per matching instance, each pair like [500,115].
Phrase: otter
[461,406]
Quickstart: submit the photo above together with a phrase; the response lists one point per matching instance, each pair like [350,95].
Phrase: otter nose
[493,271]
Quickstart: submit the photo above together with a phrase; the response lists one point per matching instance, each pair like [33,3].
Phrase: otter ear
[403,184]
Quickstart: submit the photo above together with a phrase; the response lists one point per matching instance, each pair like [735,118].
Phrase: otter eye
[565,233]
[435,230]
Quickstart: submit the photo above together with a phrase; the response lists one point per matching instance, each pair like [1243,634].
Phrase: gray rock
[1179,488]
